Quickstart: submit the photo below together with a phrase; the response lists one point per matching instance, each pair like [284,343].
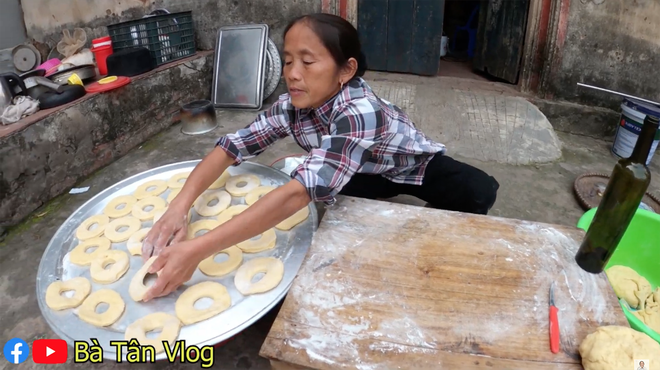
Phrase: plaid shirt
[353,132]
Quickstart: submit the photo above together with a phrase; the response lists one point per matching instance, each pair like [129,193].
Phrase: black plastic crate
[168,37]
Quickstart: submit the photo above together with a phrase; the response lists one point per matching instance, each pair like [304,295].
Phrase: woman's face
[310,72]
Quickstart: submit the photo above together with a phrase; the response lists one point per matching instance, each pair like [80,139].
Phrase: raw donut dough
[616,347]
[230,212]
[650,314]
[137,289]
[79,255]
[169,325]
[294,219]
[56,301]
[271,266]
[232,184]
[120,264]
[267,241]
[157,203]
[172,195]
[185,304]
[115,236]
[629,285]
[221,181]
[211,268]
[200,225]
[112,211]
[116,305]
[83,232]
[174,183]
[202,203]
[254,195]
[159,188]
[134,243]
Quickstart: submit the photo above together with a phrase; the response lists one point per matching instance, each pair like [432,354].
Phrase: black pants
[448,184]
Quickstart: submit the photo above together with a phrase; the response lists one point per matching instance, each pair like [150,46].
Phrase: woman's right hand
[172,225]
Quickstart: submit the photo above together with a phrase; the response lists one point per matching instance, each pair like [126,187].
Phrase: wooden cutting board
[388,286]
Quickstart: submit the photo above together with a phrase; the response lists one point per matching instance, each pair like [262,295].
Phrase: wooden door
[500,38]
[401,35]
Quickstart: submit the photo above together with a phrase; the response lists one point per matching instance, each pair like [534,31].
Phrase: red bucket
[102,48]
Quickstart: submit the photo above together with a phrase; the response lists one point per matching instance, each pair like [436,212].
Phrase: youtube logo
[49,351]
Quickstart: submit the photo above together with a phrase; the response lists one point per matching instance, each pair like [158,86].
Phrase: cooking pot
[198,117]
[86,72]
[10,86]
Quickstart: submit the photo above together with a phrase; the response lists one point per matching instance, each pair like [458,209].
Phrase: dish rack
[168,36]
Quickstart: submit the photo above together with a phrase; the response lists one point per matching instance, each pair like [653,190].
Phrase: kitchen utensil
[67,94]
[75,80]
[86,73]
[25,57]
[198,117]
[37,85]
[554,322]
[618,93]
[239,66]
[107,86]
[8,83]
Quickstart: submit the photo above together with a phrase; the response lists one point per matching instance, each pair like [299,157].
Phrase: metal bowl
[198,117]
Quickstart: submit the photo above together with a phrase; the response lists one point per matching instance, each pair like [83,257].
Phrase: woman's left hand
[176,265]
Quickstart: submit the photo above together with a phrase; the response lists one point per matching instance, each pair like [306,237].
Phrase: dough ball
[616,347]
[629,285]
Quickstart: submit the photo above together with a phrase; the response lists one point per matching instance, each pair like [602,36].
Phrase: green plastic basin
[639,249]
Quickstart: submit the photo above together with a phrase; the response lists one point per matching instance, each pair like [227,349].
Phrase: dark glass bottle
[625,190]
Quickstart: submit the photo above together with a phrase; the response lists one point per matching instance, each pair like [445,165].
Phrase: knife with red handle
[554,322]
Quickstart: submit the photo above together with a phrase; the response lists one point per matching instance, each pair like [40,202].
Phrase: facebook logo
[16,351]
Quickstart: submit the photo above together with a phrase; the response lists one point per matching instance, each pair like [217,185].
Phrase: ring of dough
[252,182]
[141,192]
[169,325]
[161,212]
[137,289]
[211,268]
[174,181]
[221,181]
[271,266]
[134,243]
[112,211]
[79,255]
[230,212]
[202,203]
[185,304]
[200,225]
[83,232]
[120,264]
[294,219]
[157,204]
[115,236]
[267,241]
[116,306]
[172,195]
[55,300]
[254,195]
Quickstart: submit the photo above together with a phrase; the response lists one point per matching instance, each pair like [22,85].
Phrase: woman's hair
[338,36]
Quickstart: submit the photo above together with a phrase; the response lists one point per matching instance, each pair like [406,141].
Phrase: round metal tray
[291,249]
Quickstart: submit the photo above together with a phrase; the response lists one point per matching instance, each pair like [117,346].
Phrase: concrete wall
[48,157]
[12,30]
[45,19]
[613,44]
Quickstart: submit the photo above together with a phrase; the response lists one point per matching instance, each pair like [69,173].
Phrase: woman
[358,144]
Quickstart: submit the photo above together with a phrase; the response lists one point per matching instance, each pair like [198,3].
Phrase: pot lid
[25,57]
[101,87]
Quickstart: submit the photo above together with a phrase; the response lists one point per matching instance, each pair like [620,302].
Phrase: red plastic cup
[101,53]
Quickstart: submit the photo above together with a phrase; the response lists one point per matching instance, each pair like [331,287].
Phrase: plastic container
[639,249]
[168,37]
[101,41]
[633,113]
[101,54]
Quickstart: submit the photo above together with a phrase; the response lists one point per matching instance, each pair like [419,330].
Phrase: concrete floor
[540,192]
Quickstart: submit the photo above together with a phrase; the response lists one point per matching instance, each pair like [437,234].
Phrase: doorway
[484,38]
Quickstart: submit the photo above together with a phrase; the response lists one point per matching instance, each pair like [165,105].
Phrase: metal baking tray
[239,66]
[291,248]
